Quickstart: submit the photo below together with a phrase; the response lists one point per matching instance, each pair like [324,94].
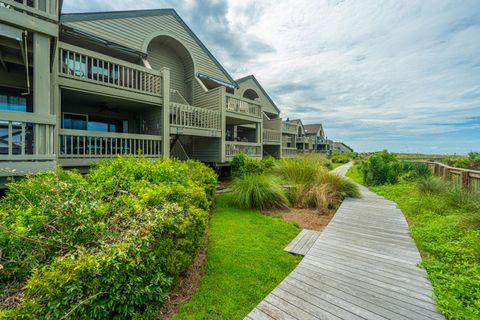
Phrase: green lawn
[245,262]
[448,238]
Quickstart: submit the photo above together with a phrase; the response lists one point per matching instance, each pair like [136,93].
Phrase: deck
[362,266]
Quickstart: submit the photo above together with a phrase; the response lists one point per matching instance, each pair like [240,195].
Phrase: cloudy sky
[400,75]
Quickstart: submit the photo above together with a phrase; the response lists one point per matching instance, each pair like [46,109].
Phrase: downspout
[25,59]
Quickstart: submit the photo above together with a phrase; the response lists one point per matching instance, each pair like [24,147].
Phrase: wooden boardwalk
[362,266]
[303,242]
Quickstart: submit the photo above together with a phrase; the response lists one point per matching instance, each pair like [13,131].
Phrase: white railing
[243,106]
[289,152]
[93,67]
[26,136]
[251,149]
[91,144]
[289,127]
[182,115]
[42,8]
[288,139]
[272,135]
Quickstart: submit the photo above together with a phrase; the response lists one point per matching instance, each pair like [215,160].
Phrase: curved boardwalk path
[362,266]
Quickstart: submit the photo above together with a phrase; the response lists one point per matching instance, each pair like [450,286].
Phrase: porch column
[41,91]
[223,122]
[166,112]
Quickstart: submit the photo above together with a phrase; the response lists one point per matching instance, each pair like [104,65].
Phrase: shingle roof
[312,128]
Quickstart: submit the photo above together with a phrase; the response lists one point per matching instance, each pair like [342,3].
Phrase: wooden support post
[446,174]
[465,180]
[223,124]
[41,88]
[436,168]
[166,112]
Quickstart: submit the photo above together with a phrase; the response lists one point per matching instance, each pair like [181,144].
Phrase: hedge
[107,245]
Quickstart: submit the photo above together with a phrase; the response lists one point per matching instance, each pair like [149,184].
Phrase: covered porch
[242,136]
[94,127]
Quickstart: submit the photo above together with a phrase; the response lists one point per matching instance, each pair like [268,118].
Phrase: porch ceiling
[91,99]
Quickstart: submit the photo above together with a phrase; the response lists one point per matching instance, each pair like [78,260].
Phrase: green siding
[133,32]
[249,83]
[161,56]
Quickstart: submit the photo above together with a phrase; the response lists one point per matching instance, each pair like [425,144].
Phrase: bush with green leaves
[108,245]
[381,168]
[416,171]
[242,164]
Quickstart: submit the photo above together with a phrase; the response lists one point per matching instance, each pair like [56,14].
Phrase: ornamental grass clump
[258,191]
[102,246]
[311,185]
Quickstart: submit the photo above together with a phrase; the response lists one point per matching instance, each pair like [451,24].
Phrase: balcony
[271,136]
[107,75]
[251,149]
[26,143]
[186,119]
[288,127]
[303,139]
[82,147]
[36,15]
[238,107]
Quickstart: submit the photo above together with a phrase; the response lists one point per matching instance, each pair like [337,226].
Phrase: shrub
[415,171]
[107,245]
[241,165]
[258,191]
[381,168]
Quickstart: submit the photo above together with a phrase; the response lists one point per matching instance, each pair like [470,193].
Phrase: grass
[245,262]
[258,191]
[447,233]
[336,165]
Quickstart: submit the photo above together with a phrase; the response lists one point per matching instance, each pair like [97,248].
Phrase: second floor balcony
[34,15]
[239,107]
[92,71]
[272,136]
[289,127]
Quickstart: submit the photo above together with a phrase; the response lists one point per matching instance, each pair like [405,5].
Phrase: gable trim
[252,77]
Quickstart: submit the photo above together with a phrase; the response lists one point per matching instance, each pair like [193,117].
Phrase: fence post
[435,169]
[446,173]
[465,180]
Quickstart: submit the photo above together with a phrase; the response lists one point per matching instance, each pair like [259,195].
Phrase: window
[75,121]
[13,100]
[93,123]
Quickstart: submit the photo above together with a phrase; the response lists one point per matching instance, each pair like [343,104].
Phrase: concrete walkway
[362,266]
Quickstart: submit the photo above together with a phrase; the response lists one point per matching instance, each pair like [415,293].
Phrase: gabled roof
[313,128]
[299,121]
[252,77]
[89,16]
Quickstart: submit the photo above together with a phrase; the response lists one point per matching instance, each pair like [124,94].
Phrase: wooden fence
[468,179]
